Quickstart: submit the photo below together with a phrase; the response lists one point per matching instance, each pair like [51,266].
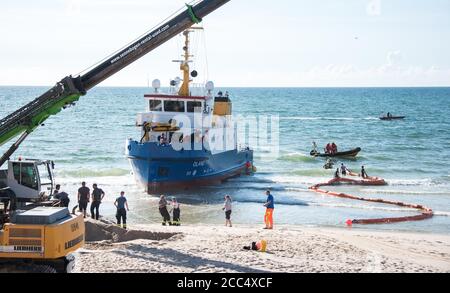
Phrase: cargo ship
[187,140]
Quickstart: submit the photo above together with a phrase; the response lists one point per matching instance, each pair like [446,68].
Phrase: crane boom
[26,119]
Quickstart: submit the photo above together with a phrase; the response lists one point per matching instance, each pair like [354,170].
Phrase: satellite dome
[209,86]
[156,84]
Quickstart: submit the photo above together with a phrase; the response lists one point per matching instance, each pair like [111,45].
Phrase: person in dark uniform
[344,170]
[62,196]
[122,208]
[336,174]
[176,212]
[97,197]
[163,211]
[364,173]
[83,198]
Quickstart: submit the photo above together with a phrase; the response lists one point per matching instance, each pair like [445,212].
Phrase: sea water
[87,144]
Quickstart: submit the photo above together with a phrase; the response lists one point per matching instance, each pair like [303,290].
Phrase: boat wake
[300,118]
[442,214]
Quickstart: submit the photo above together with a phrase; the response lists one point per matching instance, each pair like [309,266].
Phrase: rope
[426,213]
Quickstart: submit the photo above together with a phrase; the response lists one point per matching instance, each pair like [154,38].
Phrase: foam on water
[298,157]
[88,173]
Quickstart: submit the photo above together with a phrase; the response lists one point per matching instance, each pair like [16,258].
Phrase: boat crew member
[343,170]
[328,149]
[334,148]
[83,198]
[364,173]
[389,115]
[227,207]
[315,147]
[270,207]
[162,140]
[97,197]
[121,204]
[176,212]
[62,196]
[163,211]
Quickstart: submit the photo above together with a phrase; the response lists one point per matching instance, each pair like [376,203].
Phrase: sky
[249,43]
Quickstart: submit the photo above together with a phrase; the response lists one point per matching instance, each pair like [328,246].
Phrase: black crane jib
[149,42]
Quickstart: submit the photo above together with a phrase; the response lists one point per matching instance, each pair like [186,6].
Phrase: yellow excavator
[36,235]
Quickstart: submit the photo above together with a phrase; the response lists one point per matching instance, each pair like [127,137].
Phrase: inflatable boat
[348,154]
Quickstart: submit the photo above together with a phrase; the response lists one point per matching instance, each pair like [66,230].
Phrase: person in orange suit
[270,207]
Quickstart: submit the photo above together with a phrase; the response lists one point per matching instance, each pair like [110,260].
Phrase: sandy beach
[291,249]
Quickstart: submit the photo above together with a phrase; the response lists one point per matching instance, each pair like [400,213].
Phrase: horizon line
[259,87]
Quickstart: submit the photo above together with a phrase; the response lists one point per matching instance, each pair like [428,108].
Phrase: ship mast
[184,67]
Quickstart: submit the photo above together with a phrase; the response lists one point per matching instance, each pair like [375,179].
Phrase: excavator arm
[66,92]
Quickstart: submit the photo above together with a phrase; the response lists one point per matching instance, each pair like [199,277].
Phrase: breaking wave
[300,118]
[297,157]
[88,173]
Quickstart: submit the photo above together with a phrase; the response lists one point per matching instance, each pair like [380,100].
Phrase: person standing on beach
[270,207]
[83,198]
[97,197]
[176,212]
[163,211]
[228,210]
[121,204]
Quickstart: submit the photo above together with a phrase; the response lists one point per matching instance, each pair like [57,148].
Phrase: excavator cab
[27,180]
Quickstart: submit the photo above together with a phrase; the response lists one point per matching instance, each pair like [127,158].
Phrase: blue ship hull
[160,168]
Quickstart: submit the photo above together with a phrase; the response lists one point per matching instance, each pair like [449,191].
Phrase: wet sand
[292,249]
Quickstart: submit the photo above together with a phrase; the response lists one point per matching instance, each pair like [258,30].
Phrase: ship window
[192,106]
[174,106]
[155,105]
[163,172]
